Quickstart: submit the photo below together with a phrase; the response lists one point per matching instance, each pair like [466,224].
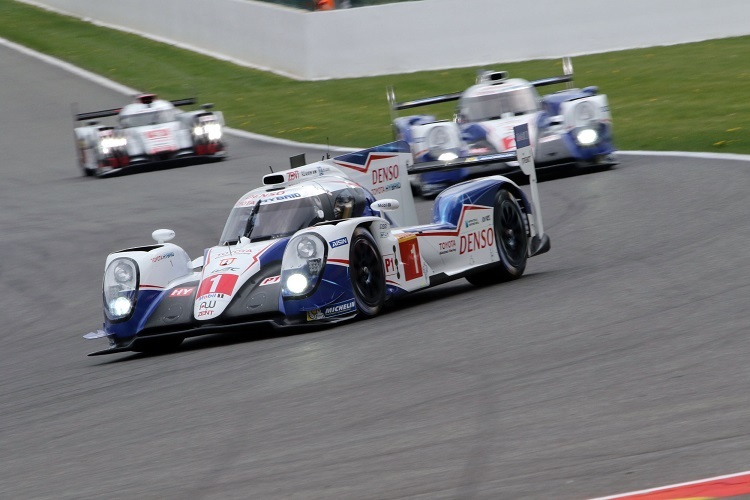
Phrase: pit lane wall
[412,36]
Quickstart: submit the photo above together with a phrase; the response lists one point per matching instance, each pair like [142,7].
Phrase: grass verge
[689,97]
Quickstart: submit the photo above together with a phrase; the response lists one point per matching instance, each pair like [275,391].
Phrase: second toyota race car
[321,243]
[570,127]
[148,131]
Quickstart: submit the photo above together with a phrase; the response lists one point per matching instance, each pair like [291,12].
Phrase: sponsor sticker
[476,240]
[339,242]
[218,283]
[162,257]
[315,314]
[271,280]
[182,292]
[408,246]
[339,309]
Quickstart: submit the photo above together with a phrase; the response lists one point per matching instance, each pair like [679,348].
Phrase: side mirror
[162,235]
[197,263]
[208,105]
[556,120]
[385,205]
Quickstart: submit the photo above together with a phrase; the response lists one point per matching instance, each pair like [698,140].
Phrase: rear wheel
[511,239]
[367,273]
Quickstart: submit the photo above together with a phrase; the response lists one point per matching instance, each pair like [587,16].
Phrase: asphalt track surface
[619,362]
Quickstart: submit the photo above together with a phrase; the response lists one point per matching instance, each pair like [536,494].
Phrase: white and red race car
[147,131]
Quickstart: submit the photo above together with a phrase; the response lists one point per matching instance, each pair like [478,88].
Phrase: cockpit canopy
[498,102]
[265,215]
[148,117]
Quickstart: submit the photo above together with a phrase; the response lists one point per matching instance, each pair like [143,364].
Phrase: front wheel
[367,273]
[511,239]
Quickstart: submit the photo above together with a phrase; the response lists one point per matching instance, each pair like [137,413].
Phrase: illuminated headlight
[302,264]
[297,283]
[112,142]
[449,156]
[120,288]
[212,131]
[120,306]
[587,136]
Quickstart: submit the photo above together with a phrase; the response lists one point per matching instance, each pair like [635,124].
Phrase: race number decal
[408,246]
[218,283]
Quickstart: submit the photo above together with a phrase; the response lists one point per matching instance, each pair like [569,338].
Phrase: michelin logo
[339,242]
[332,311]
[340,308]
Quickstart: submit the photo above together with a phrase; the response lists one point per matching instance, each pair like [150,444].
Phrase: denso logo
[339,308]
[476,241]
[384,174]
[339,242]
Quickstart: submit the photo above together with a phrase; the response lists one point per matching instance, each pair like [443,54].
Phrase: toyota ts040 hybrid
[321,243]
[570,127]
[147,131]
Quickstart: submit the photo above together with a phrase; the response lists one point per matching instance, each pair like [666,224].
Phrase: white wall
[413,36]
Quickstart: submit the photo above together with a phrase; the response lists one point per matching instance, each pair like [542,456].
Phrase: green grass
[690,97]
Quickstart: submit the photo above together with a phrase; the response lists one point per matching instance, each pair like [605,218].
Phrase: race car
[321,243]
[572,127]
[147,131]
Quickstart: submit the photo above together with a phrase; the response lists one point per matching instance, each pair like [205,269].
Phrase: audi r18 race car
[147,131]
[322,243]
[569,127]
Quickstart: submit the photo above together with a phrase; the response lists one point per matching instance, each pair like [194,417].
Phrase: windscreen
[264,221]
[148,118]
[493,106]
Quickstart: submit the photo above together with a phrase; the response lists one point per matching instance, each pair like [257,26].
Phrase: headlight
[306,248]
[112,142]
[303,264]
[210,130]
[585,113]
[587,136]
[296,283]
[440,142]
[124,272]
[120,288]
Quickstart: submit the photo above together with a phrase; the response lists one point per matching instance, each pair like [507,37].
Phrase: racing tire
[367,273]
[511,240]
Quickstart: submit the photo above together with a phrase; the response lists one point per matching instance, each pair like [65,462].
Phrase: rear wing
[426,101]
[115,111]
[567,76]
